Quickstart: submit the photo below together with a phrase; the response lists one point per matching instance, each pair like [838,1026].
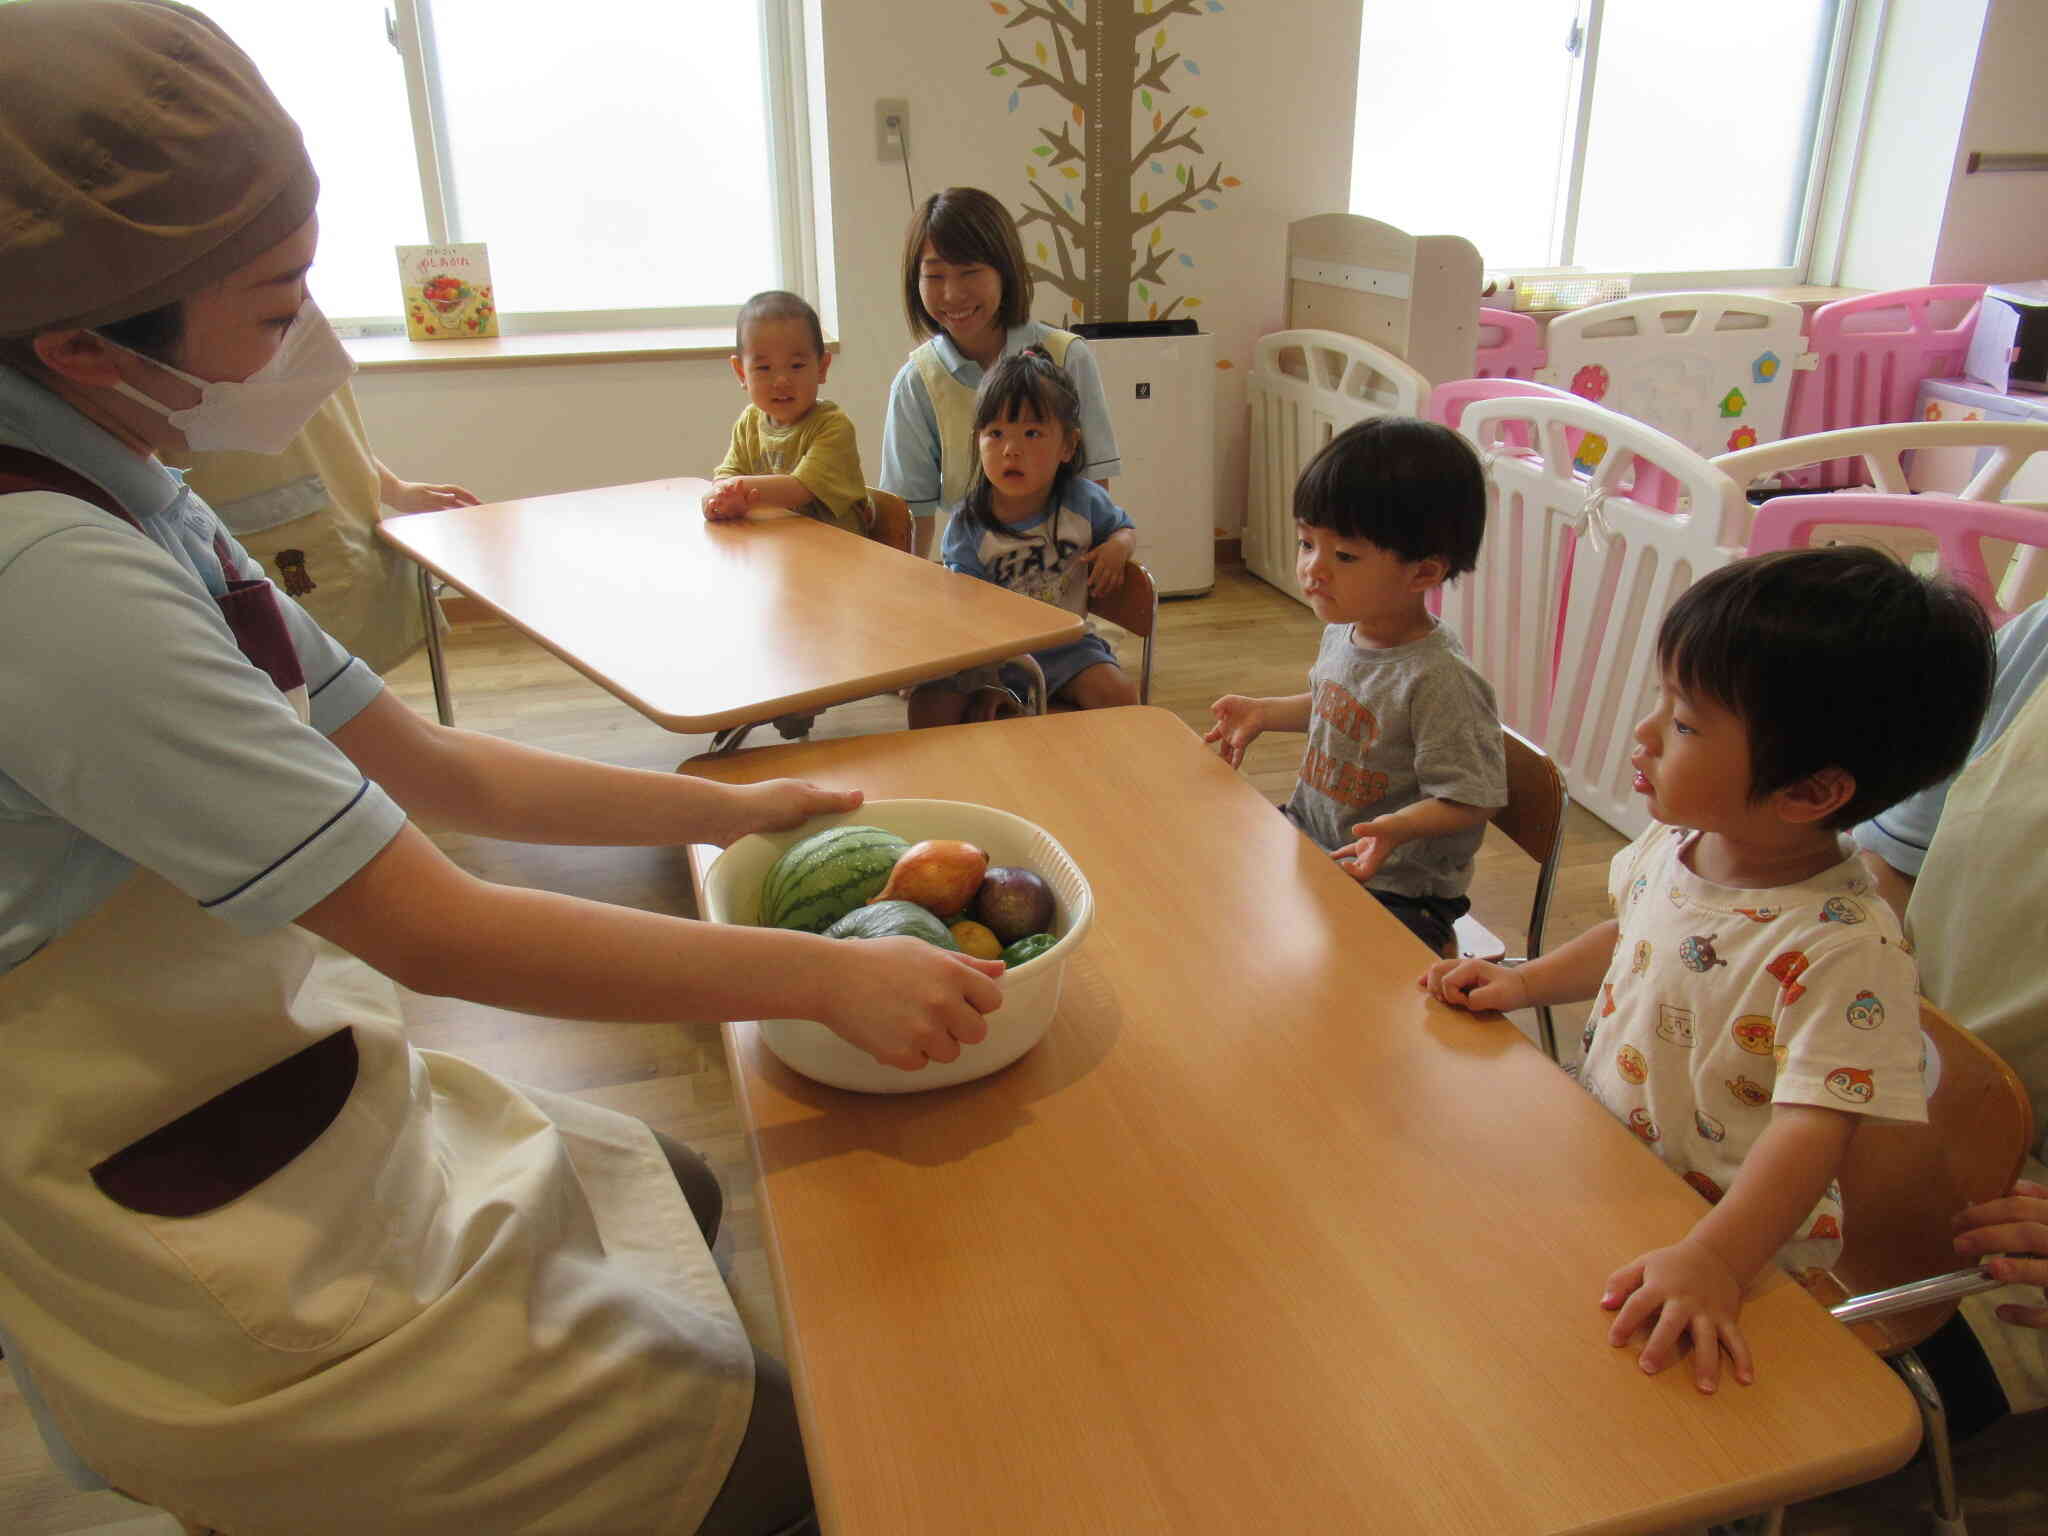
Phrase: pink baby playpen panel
[1510,345]
[1958,529]
[1872,353]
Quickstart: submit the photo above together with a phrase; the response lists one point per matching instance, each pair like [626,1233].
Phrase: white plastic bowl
[1031,991]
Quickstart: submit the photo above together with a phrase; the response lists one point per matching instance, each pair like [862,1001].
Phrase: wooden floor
[1242,638]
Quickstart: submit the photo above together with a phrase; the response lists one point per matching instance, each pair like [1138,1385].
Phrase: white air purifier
[1162,401]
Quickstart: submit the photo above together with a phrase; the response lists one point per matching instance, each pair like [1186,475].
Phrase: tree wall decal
[1098,251]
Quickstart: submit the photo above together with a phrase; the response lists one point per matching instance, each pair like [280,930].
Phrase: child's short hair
[966,224]
[1412,487]
[777,304]
[1027,380]
[1836,658]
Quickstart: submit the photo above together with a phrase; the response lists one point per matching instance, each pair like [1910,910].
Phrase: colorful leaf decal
[1000,10]
[1180,173]
[1152,313]
[1041,250]
[1013,100]
[1232,181]
[1193,67]
[1158,169]
[1198,112]
[1186,260]
[1156,233]
[1070,173]
[1208,204]
[1080,117]
[1157,119]
[1042,151]
[1145,203]
[1144,292]
[1041,53]
[998,69]
[1146,97]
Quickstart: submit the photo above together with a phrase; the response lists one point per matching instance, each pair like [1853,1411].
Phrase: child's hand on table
[1106,563]
[906,1002]
[1476,984]
[1376,839]
[728,501]
[1684,1289]
[1239,722]
[415,496]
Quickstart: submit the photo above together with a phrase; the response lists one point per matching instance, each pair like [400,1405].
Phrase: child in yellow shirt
[790,450]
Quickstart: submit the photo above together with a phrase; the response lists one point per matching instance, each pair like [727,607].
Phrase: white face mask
[264,412]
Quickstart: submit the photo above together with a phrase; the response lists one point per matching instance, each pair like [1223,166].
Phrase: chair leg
[1948,1508]
[1546,1032]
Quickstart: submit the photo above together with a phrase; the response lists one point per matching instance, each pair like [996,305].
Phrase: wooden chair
[1533,819]
[892,524]
[1900,1187]
[1134,606]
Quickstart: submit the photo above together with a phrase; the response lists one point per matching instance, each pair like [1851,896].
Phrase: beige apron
[953,406]
[275,1271]
[462,1307]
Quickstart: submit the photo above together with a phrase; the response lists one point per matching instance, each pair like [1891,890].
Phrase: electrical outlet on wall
[892,129]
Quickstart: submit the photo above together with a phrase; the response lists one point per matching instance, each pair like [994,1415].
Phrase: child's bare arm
[1361,860]
[1695,1286]
[1241,720]
[1567,974]
[784,491]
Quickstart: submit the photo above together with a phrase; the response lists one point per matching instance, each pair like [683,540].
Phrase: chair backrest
[1510,345]
[1957,528]
[1711,369]
[892,519]
[1533,818]
[1902,1183]
[1870,354]
[1303,389]
[1134,606]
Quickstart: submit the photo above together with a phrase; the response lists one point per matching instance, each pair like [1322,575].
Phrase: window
[630,164]
[1645,136]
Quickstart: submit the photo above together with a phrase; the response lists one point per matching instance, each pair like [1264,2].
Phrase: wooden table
[706,626]
[1259,1238]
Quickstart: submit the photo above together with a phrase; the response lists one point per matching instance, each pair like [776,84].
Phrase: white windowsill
[397,354]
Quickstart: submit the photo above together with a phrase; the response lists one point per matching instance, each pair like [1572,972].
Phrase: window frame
[409,27]
[1840,108]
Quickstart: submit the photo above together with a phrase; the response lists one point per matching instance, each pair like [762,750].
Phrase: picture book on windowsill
[447,290]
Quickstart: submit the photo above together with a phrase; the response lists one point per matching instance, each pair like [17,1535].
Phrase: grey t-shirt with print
[1388,728]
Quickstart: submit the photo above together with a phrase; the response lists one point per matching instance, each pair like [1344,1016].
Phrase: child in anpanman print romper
[1756,1001]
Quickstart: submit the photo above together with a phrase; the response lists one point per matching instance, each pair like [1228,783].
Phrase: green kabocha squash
[888,920]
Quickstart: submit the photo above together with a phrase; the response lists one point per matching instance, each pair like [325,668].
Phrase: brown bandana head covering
[142,159]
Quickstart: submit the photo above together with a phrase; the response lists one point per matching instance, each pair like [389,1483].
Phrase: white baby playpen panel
[1304,388]
[1713,370]
[1564,545]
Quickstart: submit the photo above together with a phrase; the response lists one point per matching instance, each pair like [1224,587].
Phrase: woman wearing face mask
[265,1265]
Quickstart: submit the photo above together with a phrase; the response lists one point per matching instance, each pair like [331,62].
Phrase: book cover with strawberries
[447,291]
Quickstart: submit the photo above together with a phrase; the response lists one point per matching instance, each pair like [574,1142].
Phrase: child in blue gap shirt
[1033,524]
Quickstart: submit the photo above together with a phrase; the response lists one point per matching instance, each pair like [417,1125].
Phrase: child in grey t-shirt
[1404,764]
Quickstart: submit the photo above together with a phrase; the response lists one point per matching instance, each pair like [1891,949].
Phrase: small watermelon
[819,880]
[888,920]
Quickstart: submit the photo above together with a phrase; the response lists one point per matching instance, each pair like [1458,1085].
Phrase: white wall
[1918,96]
[1995,227]
[1280,100]
[1953,76]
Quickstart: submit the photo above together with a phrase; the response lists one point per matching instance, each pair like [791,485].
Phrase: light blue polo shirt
[910,436]
[133,730]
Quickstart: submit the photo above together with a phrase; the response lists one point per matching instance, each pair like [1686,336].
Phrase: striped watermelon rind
[819,880]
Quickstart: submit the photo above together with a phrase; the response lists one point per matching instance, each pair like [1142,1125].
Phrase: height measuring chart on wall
[1124,156]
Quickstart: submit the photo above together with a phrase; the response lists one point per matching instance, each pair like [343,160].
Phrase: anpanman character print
[1720,1004]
